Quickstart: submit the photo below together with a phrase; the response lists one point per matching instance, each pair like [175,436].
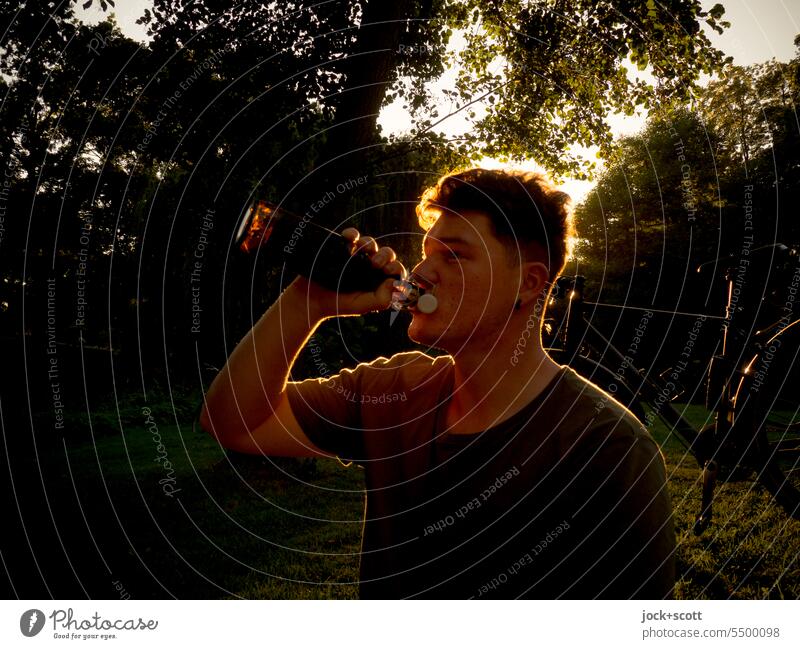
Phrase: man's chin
[421,331]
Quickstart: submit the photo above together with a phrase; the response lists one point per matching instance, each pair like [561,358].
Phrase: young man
[502,474]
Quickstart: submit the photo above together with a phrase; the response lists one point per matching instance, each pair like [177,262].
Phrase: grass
[286,528]
[752,548]
[234,527]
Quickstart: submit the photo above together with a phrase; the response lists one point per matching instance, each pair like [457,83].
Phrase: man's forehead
[466,227]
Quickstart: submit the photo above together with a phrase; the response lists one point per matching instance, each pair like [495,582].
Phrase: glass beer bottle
[321,255]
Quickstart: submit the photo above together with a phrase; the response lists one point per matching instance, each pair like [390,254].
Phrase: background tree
[658,205]
[695,185]
[754,109]
[552,72]
[654,217]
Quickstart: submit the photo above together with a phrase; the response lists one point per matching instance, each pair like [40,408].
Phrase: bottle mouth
[410,293]
[421,281]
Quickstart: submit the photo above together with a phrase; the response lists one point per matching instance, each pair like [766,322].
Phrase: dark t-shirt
[566,498]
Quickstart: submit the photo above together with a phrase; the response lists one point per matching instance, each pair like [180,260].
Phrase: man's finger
[367,244]
[384,256]
[394,268]
[351,233]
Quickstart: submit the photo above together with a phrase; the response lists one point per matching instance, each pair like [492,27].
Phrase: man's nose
[425,275]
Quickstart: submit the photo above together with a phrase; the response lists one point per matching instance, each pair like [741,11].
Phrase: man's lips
[413,297]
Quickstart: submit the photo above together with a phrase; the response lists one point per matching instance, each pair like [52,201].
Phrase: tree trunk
[368,72]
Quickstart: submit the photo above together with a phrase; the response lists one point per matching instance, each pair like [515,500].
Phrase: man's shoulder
[410,368]
[412,362]
[413,358]
[596,404]
[599,420]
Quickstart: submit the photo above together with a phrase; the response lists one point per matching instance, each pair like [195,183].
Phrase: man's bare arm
[246,407]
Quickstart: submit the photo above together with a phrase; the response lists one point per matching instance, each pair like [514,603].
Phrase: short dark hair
[524,208]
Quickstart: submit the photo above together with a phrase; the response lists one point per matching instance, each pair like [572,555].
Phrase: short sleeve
[328,410]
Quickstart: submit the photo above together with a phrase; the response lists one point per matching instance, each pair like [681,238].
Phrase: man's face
[475,284]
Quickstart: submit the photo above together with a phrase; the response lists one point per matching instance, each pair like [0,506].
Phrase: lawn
[286,528]
[751,550]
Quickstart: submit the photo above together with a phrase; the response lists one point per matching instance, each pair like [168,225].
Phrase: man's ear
[533,282]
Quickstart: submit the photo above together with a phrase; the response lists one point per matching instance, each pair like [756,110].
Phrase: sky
[760,30]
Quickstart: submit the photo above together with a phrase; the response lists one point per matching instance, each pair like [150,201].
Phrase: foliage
[655,213]
[754,111]
[552,72]
[544,75]
[710,183]
[697,184]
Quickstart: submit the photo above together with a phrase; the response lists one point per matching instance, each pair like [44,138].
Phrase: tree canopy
[534,78]
[712,179]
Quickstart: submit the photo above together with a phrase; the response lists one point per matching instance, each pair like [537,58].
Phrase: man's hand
[325,303]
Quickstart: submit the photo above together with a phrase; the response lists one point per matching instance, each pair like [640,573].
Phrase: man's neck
[491,385]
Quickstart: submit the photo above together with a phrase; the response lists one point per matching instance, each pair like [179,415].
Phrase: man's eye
[452,255]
